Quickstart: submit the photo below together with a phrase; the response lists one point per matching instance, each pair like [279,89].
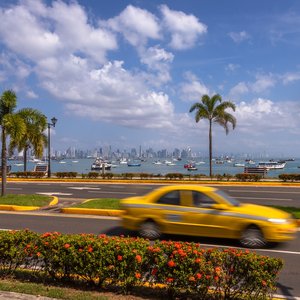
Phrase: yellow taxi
[205,211]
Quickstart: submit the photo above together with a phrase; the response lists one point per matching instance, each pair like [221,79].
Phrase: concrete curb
[94,211]
[53,202]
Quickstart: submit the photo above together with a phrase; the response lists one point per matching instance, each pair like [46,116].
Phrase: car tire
[149,230]
[252,237]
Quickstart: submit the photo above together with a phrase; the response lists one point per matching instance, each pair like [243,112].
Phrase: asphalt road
[68,192]
[288,284]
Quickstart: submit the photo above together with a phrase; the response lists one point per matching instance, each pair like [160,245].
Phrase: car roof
[195,187]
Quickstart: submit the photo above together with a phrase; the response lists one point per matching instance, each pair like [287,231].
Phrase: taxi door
[204,220]
[171,212]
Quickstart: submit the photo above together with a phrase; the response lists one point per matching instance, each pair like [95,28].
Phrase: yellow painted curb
[8,207]
[94,211]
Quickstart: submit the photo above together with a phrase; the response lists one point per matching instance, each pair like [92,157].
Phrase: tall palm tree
[34,137]
[214,110]
[11,125]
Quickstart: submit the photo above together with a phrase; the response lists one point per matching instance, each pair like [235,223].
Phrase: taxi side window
[172,198]
[202,200]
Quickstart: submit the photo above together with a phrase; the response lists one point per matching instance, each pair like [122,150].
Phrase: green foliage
[248,177]
[93,175]
[107,175]
[289,177]
[29,174]
[182,267]
[174,176]
[66,174]
[127,175]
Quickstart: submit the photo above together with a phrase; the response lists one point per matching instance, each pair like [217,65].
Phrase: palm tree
[11,125]
[34,137]
[209,109]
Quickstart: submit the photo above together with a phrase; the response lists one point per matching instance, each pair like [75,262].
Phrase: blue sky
[125,73]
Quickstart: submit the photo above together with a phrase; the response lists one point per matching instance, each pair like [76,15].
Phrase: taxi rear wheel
[149,230]
[252,237]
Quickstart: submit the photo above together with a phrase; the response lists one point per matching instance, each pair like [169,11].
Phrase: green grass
[40,289]
[104,203]
[25,200]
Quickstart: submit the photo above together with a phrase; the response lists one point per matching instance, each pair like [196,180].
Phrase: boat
[133,164]
[271,165]
[99,163]
[239,165]
[123,161]
[192,168]
[157,162]
[74,161]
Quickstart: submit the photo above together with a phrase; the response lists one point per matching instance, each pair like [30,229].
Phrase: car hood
[262,211]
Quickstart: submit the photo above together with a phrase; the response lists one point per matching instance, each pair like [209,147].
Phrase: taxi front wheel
[252,237]
[149,230]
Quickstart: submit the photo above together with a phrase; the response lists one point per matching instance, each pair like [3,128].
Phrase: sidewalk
[19,296]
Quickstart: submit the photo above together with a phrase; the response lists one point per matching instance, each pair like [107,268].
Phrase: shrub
[127,262]
[66,174]
[289,177]
[127,175]
[248,177]
[93,175]
[174,176]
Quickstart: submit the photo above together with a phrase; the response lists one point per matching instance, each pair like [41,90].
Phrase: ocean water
[83,166]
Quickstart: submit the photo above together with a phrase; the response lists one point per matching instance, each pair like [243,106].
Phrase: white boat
[270,165]
[99,164]
[157,162]
[239,165]
[61,162]
[123,161]
[74,161]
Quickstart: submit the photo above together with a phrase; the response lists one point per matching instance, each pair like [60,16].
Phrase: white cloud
[290,77]
[192,89]
[239,37]
[157,60]
[31,95]
[263,83]
[232,67]
[240,89]
[136,24]
[185,29]
[39,32]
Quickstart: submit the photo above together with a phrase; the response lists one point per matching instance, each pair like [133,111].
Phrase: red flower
[120,257]
[138,258]
[171,264]
[216,278]
[80,250]
[197,260]
[137,275]
[154,271]
[191,278]
[38,254]
[90,249]
[170,279]
[67,246]
[263,282]
[198,275]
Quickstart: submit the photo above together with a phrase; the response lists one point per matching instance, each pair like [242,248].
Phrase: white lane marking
[55,193]
[18,189]
[270,199]
[103,192]
[251,191]
[83,188]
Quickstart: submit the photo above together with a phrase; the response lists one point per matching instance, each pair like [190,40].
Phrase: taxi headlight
[278,221]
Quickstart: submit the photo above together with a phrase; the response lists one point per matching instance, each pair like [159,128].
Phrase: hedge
[183,268]
[289,177]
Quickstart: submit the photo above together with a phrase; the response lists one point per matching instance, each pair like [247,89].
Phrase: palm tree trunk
[25,159]
[3,162]
[210,149]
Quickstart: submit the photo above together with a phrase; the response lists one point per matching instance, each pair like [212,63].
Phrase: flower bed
[182,267]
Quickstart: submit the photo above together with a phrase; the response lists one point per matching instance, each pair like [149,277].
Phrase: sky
[125,73]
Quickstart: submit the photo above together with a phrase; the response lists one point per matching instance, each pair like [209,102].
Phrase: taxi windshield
[232,201]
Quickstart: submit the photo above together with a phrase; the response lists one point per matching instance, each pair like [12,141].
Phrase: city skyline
[126,74]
